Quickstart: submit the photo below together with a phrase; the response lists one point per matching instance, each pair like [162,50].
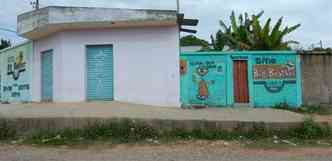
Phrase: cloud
[314,15]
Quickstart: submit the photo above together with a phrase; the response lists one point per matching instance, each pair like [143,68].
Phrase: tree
[4,44]
[192,40]
[247,33]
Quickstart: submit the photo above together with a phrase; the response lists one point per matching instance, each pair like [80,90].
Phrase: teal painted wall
[203,81]
[273,78]
[16,73]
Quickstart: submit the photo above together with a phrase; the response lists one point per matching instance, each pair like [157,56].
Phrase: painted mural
[205,77]
[16,73]
[272,75]
[273,78]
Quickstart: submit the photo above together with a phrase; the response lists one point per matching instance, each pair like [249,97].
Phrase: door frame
[41,76]
[230,79]
[235,86]
[86,70]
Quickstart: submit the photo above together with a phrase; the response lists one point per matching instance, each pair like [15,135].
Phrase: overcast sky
[314,15]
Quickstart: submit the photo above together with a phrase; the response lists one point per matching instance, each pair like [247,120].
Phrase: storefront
[256,79]
[76,54]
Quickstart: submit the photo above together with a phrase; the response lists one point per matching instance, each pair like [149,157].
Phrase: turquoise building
[226,79]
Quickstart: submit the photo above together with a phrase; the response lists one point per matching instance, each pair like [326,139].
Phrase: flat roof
[45,21]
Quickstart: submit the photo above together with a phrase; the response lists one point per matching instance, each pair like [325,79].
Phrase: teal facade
[16,73]
[207,78]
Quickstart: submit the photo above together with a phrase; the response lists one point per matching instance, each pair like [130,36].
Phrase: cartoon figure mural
[203,90]
[203,80]
[203,84]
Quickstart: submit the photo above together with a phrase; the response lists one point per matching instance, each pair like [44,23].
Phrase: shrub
[6,131]
[311,130]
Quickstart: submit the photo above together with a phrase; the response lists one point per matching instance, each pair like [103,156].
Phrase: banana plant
[271,40]
[246,33]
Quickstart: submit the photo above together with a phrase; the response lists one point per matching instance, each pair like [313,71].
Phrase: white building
[100,54]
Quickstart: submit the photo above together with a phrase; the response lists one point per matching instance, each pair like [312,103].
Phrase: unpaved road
[216,151]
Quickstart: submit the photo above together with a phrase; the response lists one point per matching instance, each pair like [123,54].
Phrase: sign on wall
[16,73]
[273,75]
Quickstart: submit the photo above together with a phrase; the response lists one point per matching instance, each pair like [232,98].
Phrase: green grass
[132,132]
[319,109]
[6,132]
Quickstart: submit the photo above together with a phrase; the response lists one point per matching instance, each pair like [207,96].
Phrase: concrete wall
[273,78]
[54,43]
[45,21]
[316,79]
[16,73]
[146,64]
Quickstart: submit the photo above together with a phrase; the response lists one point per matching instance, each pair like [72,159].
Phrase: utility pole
[178,5]
[178,13]
[37,4]
[321,44]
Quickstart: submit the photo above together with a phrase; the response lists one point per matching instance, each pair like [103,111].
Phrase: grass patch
[134,132]
[319,109]
[6,130]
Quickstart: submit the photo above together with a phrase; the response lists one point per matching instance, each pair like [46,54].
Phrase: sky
[315,16]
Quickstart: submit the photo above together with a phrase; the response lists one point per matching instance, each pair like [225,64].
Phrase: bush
[311,130]
[6,131]
[321,110]
[132,132]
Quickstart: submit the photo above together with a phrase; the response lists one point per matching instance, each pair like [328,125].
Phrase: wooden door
[241,90]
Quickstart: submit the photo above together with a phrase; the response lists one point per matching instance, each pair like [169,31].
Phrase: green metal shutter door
[99,73]
[47,76]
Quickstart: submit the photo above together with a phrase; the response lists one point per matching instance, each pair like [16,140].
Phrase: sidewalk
[76,115]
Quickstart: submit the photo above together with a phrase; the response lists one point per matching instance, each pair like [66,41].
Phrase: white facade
[146,64]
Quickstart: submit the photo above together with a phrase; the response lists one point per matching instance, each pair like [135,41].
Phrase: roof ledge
[45,21]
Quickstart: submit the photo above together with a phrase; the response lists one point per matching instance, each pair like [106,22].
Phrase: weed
[133,132]
[319,109]
[6,131]
[283,106]
[311,130]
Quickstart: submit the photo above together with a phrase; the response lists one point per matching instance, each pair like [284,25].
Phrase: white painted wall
[54,43]
[146,64]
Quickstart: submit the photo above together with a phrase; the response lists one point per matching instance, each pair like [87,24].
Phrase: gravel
[198,151]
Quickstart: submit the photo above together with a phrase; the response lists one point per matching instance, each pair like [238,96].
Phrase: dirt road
[198,151]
